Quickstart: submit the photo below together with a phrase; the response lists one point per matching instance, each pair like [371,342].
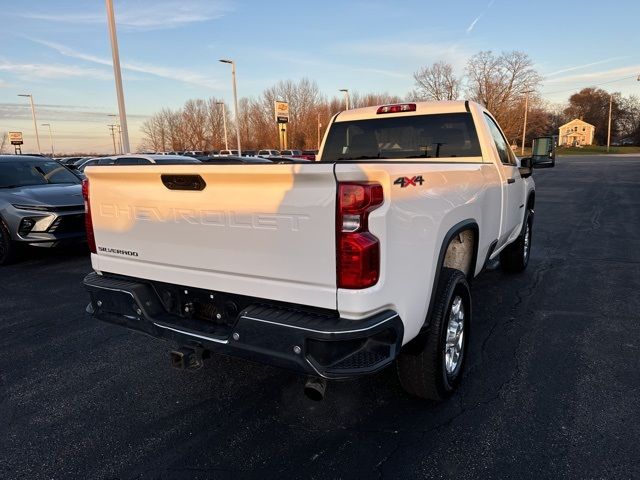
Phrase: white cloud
[60,113]
[288,57]
[475,20]
[412,52]
[51,71]
[601,76]
[148,15]
[473,24]
[586,65]
[177,74]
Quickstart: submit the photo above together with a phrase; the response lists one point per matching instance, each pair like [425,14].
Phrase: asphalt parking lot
[551,390]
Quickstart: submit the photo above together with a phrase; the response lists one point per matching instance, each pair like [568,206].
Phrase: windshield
[22,173]
[423,136]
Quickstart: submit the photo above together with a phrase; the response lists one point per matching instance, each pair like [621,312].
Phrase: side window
[127,161]
[504,151]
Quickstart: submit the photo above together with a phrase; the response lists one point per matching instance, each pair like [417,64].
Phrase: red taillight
[358,251]
[88,222]
[398,108]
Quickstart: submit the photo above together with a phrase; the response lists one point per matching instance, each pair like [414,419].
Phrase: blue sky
[59,51]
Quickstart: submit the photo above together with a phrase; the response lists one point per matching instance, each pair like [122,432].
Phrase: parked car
[268,153]
[137,159]
[333,270]
[69,160]
[40,204]
[228,152]
[249,153]
[291,153]
[281,159]
[310,154]
[83,163]
[233,159]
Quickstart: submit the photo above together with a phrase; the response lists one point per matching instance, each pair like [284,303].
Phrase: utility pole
[118,75]
[319,127]
[524,127]
[112,127]
[115,119]
[609,130]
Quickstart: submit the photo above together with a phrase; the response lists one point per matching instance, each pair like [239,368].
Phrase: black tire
[515,257]
[421,368]
[8,248]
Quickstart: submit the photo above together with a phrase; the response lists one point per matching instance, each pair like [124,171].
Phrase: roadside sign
[282,112]
[15,138]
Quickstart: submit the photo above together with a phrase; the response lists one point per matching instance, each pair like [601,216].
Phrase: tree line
[500,82]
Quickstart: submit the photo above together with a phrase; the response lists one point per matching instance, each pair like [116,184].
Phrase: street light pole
[609,130]
[235,100]
[50,138]
[346,97]
[524,127]
[118,75]
[33,114]
[224,124]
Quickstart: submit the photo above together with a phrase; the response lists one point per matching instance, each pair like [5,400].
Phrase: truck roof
[422,108]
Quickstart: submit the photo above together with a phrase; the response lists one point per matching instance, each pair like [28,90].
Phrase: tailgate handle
[183,182]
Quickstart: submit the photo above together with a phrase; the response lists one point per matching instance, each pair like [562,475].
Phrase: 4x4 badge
[406,181]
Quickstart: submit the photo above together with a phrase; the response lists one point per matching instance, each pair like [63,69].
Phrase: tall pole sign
[16,139]
[282,119]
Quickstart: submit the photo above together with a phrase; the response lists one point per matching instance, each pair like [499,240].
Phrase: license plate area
[201,310]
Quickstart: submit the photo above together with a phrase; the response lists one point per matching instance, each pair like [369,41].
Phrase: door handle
[511,180]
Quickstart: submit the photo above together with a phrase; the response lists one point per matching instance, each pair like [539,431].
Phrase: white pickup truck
[335,268]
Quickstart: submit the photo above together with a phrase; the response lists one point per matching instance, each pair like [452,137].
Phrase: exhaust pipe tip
[314,388]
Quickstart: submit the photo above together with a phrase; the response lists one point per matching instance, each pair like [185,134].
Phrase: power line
[589,85]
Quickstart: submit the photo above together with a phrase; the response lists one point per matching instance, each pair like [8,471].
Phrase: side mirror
[543,152]
[526,164]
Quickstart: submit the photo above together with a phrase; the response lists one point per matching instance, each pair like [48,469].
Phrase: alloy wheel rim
[454,344]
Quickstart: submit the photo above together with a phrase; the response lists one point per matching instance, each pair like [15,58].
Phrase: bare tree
[3,141]
[436,82]
[629,121]
[500,83]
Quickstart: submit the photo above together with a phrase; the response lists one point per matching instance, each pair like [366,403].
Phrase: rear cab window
[431,136]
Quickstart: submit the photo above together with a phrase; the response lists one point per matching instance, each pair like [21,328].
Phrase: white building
[576,133]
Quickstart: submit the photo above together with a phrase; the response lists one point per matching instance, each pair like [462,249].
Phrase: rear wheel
[432,370]
[8,248]
[515,257]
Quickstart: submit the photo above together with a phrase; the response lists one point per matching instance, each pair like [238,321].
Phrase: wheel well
[531,201]
[460,252]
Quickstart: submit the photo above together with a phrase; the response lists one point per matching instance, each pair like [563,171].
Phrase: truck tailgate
[265,230]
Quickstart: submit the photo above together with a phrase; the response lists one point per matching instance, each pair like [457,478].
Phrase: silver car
[41,204]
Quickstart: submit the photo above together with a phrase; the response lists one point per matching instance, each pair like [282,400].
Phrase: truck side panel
[411,225]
